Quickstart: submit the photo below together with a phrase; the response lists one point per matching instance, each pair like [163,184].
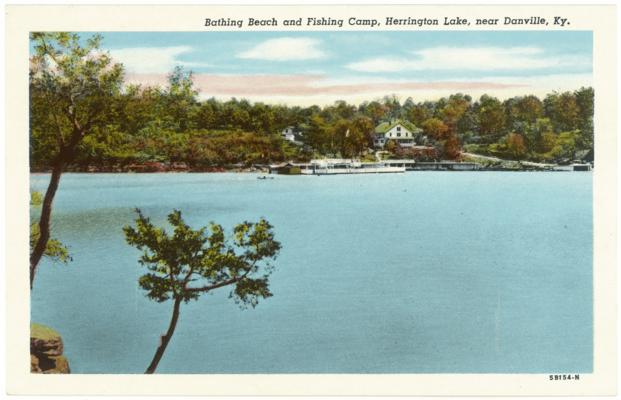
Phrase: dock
[412,165]
[343,166]
[335,167]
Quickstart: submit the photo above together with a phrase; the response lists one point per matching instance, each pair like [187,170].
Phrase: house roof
[386,126]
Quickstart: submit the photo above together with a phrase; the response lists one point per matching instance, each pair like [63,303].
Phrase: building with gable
[402,132]
[290,133]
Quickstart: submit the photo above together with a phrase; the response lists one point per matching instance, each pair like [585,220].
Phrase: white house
[289,133]
[402,132]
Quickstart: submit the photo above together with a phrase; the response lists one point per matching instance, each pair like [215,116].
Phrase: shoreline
[488,164]
[258,172]
[481,163]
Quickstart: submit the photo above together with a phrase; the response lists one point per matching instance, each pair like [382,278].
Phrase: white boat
[339,167]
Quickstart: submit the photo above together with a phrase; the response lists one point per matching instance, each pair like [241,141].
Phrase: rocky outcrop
[46,351]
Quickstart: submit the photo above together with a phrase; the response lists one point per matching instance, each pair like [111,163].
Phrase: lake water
[430,272]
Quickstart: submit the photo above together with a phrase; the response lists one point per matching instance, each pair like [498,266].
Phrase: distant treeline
[171,125]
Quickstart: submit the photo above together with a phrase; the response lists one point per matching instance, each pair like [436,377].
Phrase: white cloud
[473,59]
[285,49]
[149,60]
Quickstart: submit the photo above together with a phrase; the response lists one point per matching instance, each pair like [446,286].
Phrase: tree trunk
[165,338]
[45,220]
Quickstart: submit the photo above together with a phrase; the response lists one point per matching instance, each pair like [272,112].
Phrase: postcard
[311,200]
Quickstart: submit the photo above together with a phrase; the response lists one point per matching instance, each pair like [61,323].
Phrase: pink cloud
[305,85]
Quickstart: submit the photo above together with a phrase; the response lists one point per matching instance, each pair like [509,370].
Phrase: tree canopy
[55,250]
[188,262]
[172,123]
[72,87]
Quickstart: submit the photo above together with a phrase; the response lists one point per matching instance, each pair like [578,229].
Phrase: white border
[20,20]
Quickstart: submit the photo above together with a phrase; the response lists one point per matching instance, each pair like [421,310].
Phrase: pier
[411,165]
[338,166]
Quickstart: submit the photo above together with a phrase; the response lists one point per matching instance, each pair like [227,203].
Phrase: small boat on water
[263,177]
[335,167]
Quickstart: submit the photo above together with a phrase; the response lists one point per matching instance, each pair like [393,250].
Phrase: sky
[304,68]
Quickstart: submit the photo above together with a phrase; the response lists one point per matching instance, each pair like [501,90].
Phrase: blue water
[430,272]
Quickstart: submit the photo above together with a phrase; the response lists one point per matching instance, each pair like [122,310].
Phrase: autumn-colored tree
[516,146]
[451,148]
[391,146]
[444,136]
[435,128]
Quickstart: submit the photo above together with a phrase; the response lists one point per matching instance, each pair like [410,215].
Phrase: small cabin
[289,133]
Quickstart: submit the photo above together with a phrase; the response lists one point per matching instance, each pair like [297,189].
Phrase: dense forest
[171,125]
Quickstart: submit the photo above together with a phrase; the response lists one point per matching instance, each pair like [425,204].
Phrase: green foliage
[353,137]
[72,87]
[563,110]
[565,146]
[491,118]
[145,126]
[186,262]
[318,134]
[55,250]
[43,332]
[36,199]
[73,81]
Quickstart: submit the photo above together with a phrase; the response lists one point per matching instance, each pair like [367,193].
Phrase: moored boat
[335,167]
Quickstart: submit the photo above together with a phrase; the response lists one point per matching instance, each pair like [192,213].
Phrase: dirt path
[527,163]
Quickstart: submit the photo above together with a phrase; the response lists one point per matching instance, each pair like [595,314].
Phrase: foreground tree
[187,263]
[72,85]
[55,250]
